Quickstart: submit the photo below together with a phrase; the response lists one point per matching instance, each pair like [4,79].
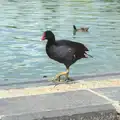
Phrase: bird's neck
[49,45]
[51,42]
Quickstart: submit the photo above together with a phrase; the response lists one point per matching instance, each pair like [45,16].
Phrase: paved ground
[89,99]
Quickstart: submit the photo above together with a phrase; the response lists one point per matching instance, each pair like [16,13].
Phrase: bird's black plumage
[64,51]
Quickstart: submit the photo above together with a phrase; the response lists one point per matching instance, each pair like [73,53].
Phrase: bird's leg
[67,76]
[66,73]
[57,78]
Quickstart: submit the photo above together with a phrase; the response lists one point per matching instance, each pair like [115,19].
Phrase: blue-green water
[22,22]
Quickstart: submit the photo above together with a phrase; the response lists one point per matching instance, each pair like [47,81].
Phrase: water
[22,23]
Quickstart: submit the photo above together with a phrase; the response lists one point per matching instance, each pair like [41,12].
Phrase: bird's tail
[74,27]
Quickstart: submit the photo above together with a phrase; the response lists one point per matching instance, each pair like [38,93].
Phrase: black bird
[64,51]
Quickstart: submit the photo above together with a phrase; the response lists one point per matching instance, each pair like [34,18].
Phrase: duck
[82,29]
[64,51]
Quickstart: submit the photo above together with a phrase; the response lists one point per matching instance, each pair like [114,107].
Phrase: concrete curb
[73,86]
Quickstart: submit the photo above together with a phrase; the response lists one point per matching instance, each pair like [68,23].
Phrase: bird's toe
[56,79]
[69,79]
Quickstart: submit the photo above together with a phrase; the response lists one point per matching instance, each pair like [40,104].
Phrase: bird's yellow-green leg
[67,76]
[57,78]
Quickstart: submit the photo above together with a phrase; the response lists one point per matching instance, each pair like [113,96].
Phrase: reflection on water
[23,22]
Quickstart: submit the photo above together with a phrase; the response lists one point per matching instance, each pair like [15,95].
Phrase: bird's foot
[68,79]
[58,76]
[56,79]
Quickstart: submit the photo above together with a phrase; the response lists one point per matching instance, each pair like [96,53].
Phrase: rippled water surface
[22,22]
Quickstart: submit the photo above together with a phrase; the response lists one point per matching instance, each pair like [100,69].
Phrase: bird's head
[48,35]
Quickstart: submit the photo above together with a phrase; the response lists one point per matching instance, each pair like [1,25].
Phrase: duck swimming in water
[82,29]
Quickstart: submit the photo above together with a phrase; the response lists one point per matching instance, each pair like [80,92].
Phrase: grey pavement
[72,105]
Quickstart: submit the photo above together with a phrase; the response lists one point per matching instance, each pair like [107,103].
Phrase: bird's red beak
[43,37]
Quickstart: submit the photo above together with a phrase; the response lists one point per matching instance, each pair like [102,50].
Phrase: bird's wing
[72,44]
[62,52]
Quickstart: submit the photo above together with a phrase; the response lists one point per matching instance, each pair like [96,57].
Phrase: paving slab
[110,92]
[72,105]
